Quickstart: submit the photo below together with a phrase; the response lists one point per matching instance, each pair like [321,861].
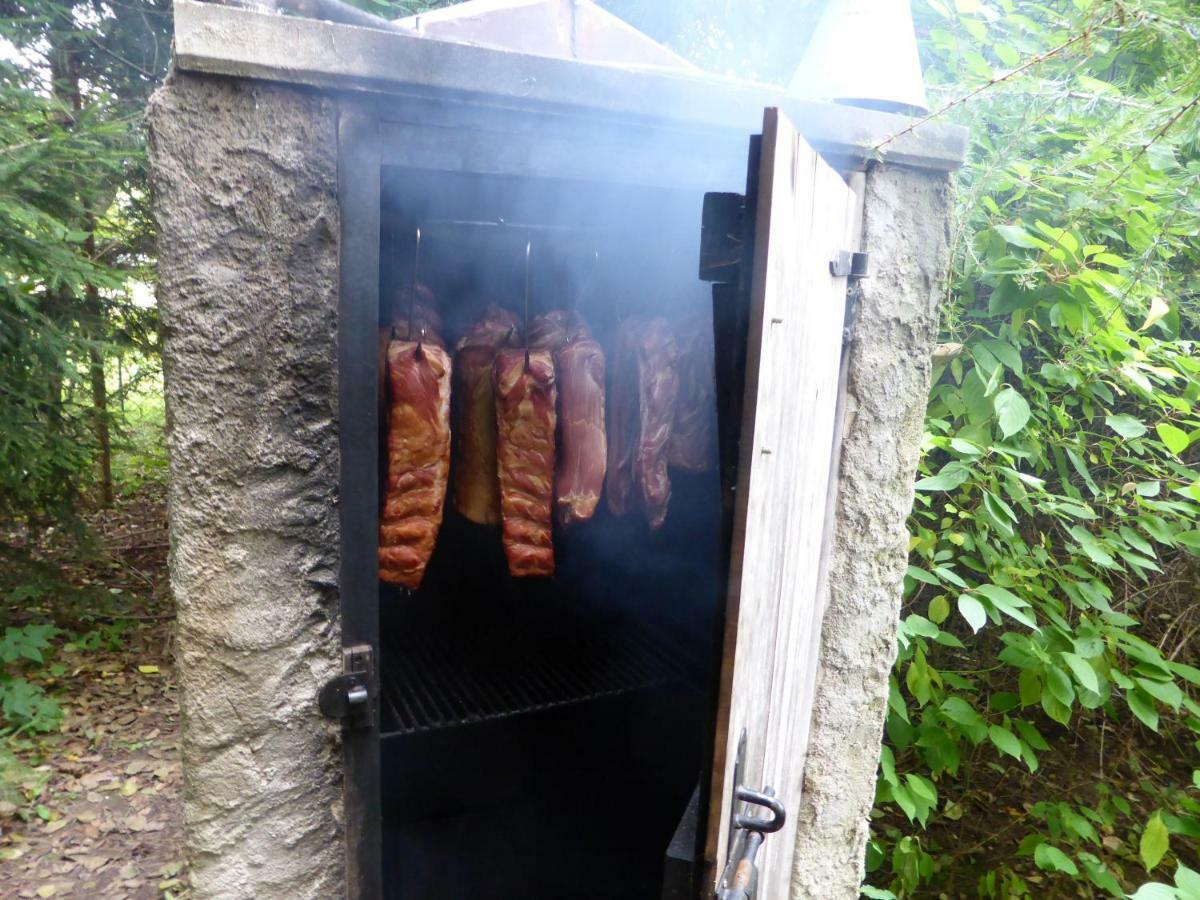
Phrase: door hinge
[850,264]
[350,696]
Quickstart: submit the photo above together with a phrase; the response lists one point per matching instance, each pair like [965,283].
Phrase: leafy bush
[1043,718]
[25,706]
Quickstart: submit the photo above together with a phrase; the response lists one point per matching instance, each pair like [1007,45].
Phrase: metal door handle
[740,881]
[340,697]
[348,696]
[765,799]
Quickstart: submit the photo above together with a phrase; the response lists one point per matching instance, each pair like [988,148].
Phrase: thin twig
[995,80]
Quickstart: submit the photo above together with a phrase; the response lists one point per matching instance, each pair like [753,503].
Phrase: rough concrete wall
[905,231]
[244,176]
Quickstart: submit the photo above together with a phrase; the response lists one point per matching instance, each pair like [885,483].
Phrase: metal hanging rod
[503,224]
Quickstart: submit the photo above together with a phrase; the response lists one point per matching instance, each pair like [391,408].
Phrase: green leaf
[1176,439]
[1012,411]
[1188,881]
[1142,707]
[921,787]
[1031,735]
[905,801]
[1099,874]
[1059,686]
[1189,539]
[1008,603]
[972,610]
[887,763]
[1082,671]
[1029,687]
[1126,425]
[1051,859]
[1091,547]
[917,624]
[1005,741]
[1166,692]
[950,477]
[921,575]
[939,609]
[958,710]
[1007,354]
[1154,843]
[1155,891]
[1019,237]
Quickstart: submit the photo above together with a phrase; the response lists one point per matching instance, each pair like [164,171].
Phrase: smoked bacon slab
[693,444]
[645,386]
[526,420]
[582,444]
[623,418]
[418,457]
[476,483]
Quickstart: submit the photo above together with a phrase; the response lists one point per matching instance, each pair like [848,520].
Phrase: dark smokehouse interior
[547,670]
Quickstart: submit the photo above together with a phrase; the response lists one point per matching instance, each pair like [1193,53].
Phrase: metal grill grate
[439,678]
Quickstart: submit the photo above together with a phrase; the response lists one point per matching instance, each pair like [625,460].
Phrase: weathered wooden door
[804,214]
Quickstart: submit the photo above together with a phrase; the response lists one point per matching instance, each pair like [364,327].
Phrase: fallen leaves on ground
[104,818]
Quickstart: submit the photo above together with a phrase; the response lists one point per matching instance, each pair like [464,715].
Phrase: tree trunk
[65,79]
[94,312]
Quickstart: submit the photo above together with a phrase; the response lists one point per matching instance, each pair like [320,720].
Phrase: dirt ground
[98,815]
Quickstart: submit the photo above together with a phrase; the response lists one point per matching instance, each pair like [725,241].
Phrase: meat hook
[412,296]
[591,279]
[528,253]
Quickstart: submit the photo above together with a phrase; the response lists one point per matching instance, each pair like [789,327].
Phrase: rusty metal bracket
[846,264]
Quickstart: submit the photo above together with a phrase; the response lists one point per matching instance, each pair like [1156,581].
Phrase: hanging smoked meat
[582,446]
[424,316]
[693,444]
[623,418]
[642,402]
[658,388]
[418,453]
[526,419]
[551,330]
[476,486]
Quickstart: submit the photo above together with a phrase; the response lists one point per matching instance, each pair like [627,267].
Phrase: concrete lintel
[223,40]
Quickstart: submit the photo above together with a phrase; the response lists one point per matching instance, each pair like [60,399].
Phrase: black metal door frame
[358,496]
[447,134]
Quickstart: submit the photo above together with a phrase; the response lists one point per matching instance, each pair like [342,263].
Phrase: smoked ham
[623,418]
[658,387]
[693,444]
[645,388]
[418,454]
[526,419]
[476,486]
[582,446]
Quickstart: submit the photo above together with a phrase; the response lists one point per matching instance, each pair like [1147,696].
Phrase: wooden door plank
[798,633]
[794,348]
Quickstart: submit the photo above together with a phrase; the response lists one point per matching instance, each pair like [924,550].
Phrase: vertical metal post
[358,505]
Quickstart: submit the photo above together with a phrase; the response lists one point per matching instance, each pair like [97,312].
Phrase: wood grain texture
[797,311]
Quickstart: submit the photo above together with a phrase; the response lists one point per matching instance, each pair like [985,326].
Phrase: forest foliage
[1044,710]
[74,235]
[1043,717]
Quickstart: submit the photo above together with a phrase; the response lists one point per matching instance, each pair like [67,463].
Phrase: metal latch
[348,696]
[850,265]
[741,872]
[739,881]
